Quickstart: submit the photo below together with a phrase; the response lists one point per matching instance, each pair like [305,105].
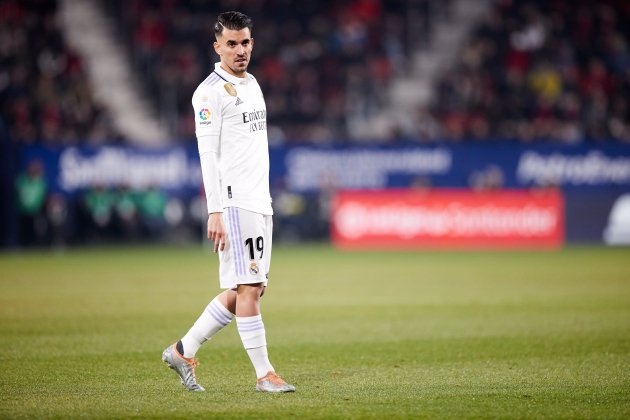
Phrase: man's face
[234,48]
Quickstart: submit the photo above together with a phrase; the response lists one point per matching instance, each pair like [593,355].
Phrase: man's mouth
[241,60]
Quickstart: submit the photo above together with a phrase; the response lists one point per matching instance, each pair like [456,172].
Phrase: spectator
[31,197]
[152,204]
[126,212]
[99,204]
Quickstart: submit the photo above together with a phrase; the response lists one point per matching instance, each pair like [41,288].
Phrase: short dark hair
[232,20]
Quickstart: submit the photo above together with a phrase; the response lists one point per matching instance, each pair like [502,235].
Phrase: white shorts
[247,254]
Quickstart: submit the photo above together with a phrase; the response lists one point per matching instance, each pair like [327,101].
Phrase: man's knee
[255,290]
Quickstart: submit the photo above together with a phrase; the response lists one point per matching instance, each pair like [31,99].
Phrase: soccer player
[230,118]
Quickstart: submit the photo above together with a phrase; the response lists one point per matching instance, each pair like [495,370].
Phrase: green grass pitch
[360,334]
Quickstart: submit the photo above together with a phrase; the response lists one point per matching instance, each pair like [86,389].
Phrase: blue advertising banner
[72,169]
[307,169]
[460,165]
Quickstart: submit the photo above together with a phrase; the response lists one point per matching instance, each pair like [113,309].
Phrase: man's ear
[217,48]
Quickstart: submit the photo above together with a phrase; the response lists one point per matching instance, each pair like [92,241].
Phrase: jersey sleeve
[211,183]
[207,108]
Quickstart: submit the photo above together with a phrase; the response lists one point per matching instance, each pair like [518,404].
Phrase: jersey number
[249,242]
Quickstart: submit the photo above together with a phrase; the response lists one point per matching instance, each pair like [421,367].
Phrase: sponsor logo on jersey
[204,116]
[238,101]
[253,268]
[254,116]
[256,119]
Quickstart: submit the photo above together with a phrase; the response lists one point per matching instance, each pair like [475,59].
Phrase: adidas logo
[238,101]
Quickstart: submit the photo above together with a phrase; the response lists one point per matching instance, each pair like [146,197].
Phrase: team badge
[229,88]
[253,268]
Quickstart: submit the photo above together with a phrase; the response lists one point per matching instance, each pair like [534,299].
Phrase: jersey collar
[230,78]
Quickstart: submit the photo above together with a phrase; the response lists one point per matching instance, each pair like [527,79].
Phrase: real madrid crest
[229,87]
[253,268]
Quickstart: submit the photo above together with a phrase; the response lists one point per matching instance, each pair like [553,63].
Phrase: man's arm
[207,107]
[208,156]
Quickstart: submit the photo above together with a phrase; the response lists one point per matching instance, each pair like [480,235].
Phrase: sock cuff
[249,318]
[249,324]
[219,312]
[252,331]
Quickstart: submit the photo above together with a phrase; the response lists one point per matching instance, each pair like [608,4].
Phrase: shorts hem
[235,285]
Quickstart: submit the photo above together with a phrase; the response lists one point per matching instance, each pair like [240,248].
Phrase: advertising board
[445,218]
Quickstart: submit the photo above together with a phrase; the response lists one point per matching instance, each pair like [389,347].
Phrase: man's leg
[217,315]
[180,356]
[252,332]
[251,327]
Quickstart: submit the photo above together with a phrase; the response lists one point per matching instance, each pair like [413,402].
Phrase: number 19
[249,242]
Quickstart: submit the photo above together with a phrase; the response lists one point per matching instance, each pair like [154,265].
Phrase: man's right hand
[216,231]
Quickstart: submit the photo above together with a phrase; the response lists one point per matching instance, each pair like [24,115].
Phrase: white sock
[213,319]
[252,332]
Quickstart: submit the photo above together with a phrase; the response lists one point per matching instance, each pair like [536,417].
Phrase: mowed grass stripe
[361,334]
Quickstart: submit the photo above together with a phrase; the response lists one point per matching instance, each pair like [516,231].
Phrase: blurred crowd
[45,94]
[533,69]
[317,61]
[554,70]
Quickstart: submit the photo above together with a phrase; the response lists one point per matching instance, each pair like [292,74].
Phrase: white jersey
[231,121]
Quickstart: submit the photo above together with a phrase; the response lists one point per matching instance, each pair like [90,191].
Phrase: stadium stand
[542,70]
[529,72]
[45,95]
[533,70]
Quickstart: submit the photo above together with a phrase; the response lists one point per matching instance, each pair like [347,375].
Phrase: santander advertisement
[448,219]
